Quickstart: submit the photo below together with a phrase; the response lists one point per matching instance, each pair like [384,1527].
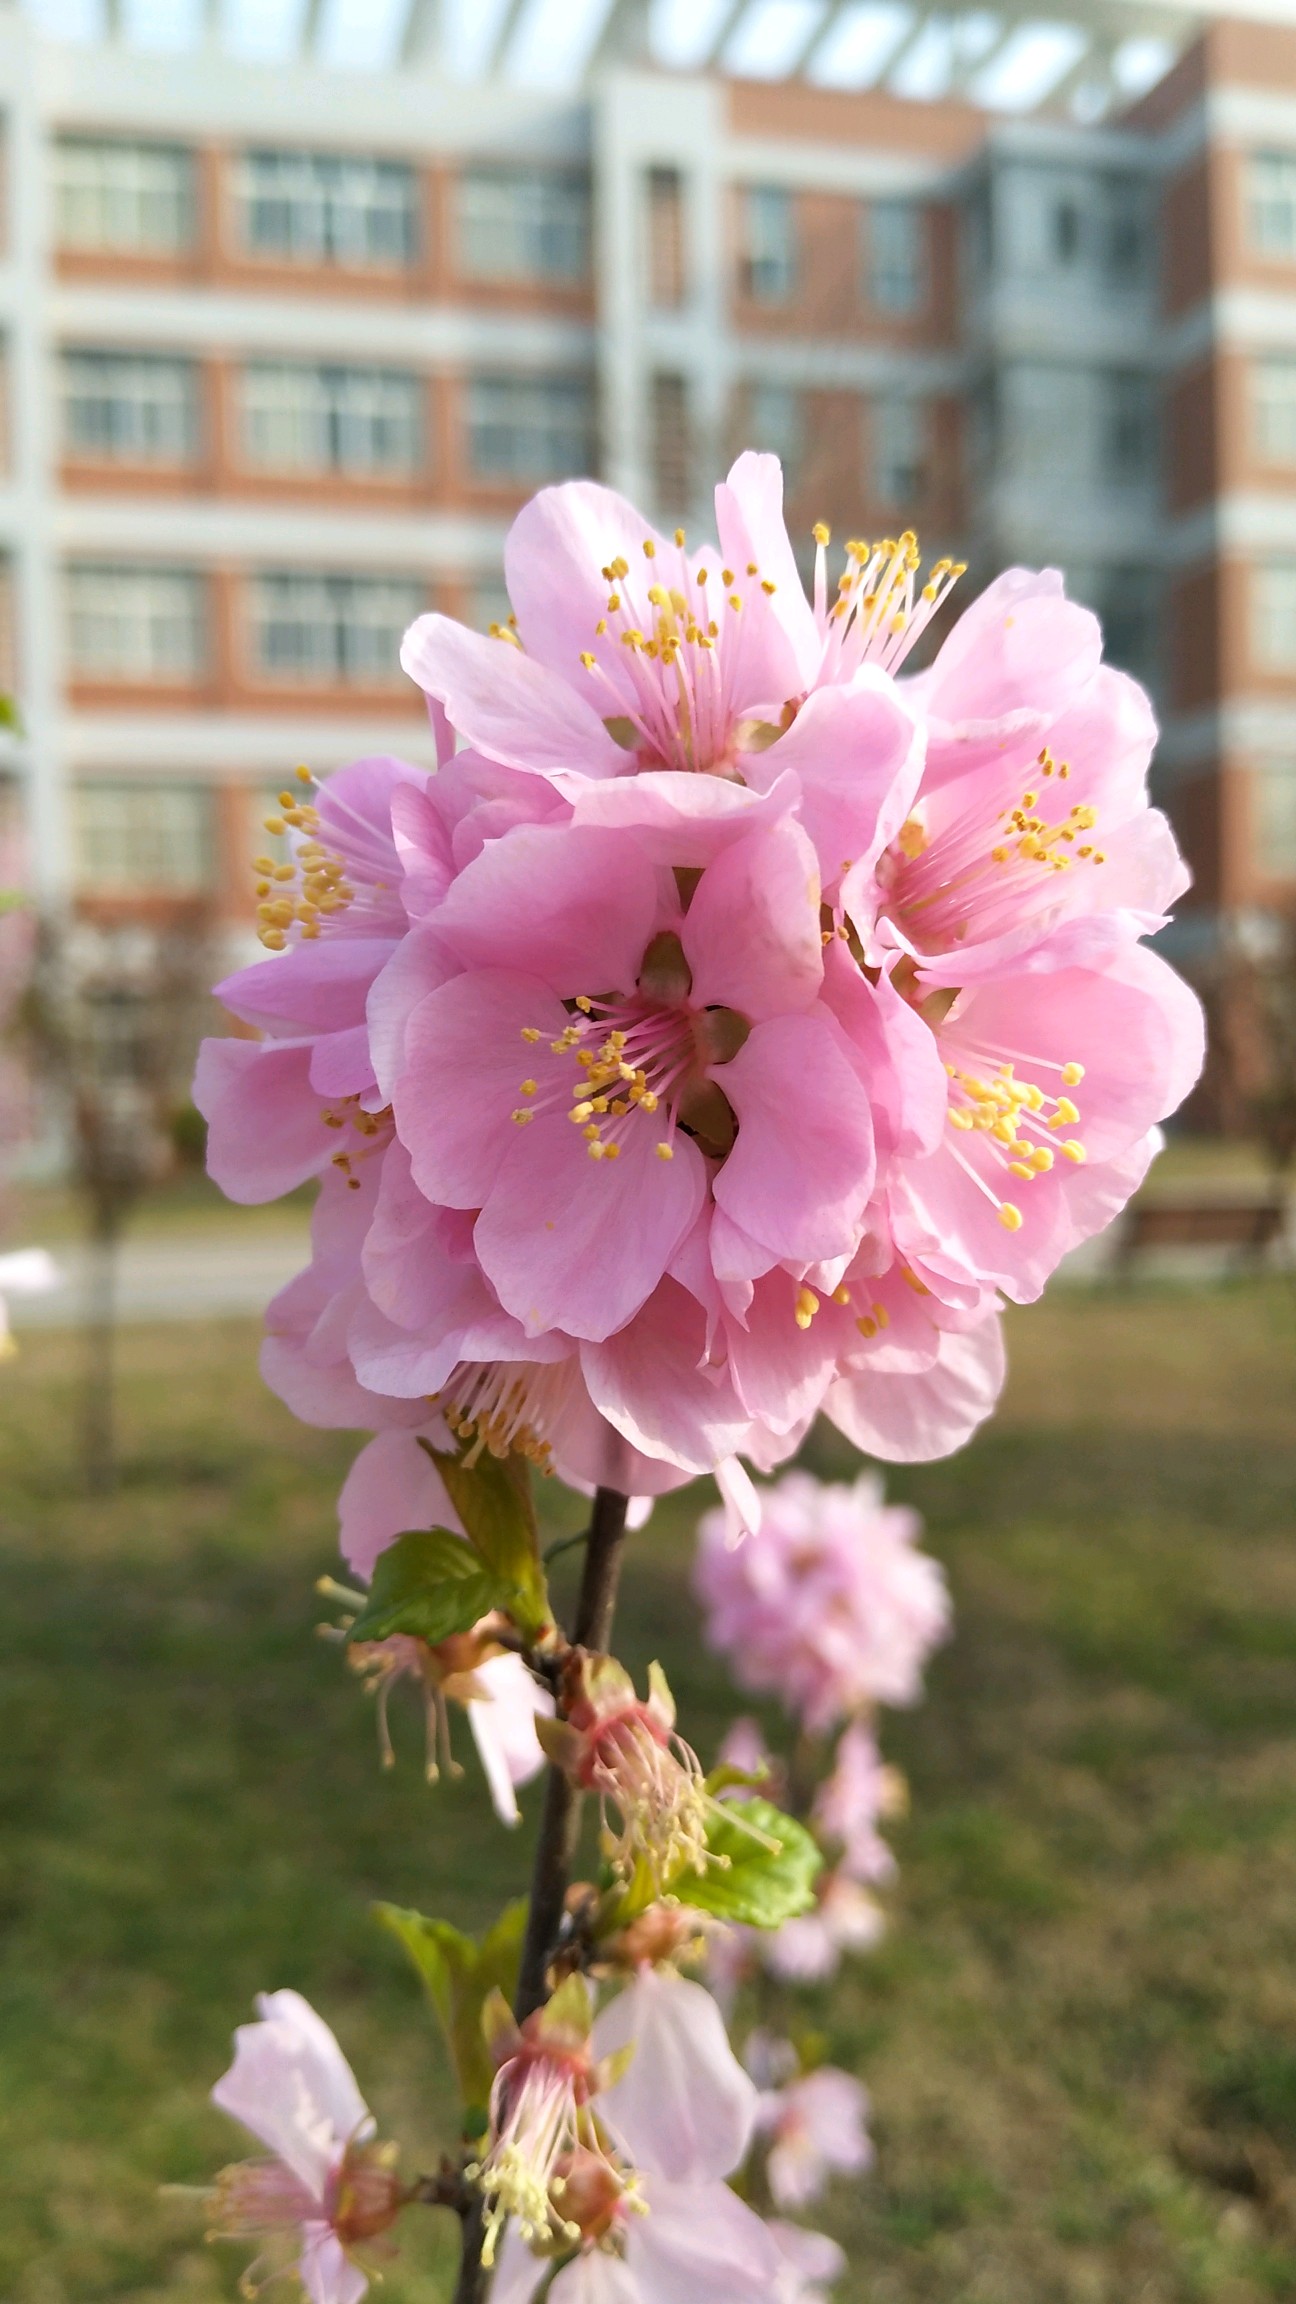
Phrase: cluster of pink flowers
[830,1607]
[727,1027]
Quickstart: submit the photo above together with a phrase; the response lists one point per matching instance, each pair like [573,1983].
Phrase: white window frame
[116,197]
[516,223]
[134,624]
[145,838]
[314,417]
[338,209]
[143,407]
[350,627]
[549,416]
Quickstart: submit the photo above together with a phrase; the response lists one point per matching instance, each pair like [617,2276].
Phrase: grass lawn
[1080,2033]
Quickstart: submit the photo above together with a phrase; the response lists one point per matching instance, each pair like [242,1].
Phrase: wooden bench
[1247,1222]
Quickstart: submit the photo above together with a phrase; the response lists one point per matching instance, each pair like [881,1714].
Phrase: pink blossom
[831,1606]
[851,1802]
[666,2226]
[814,2124]
[808,1949]
[809,2262]
[328,2184]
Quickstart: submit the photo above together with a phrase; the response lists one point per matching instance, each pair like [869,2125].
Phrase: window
[302,418]
[1273,410]
[775,424]
[527,429]
[672,442]
[489,604]
[332,631]
[769,244]
[1126,236]
[1129,427]
[1066,231]
[894,255]
[318,208]
[899,438]
[1126,601]
[128,408]
[136,837]
[1275,818]
[666,265]
[523,224]
[1273,616]
[123,199]
[132,623]
[1271,203]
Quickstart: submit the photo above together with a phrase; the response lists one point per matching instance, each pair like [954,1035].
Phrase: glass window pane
[330,631]
[775,424]
[523,224]
[1129,430]
[297,417]
[894,255]
[137,838]
[322,208]
[134,624]
[769,244]
[899,440]
[1273,410]
[529,429]
[122,198]
[125,408]
[1271,203]
[1273,616]
[1275,818]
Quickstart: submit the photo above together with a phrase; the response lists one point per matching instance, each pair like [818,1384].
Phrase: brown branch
[559,1827]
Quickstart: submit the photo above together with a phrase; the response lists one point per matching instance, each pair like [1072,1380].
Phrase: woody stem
[559,1827]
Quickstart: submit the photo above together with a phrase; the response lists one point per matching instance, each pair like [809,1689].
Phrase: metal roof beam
[421,33]
[500,45]
[312,22]
[723,34]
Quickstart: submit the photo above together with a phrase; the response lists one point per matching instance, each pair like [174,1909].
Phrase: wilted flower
[626,1750]
[851,1802]
[329,2187]
[541,2117]
[808,1949]
[492,1684]
[831,1606]
[809,2262]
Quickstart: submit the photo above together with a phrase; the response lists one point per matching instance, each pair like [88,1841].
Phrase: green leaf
[429,1582]
[767,1869]
[459,1976]
[10,717]
[493,1500]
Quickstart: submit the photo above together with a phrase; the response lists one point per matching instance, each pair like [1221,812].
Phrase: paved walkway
[194,1276]
[207,1275]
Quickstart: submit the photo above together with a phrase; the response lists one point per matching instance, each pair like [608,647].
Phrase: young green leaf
[492,1497]
[430,1583]
[459,1976]
[763,1869]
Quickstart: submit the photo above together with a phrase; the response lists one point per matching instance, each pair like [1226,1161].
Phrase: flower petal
[392,1486]
[751,935]
[265,1129]
[684,2107]
[750,525]
[801,1170]
[508,705]
[911,1419]
[572,906]
[466,1059]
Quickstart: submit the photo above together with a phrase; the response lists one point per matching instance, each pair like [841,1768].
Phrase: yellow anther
[665,1151]
[579,1113]
[1023,1169]
[521,1116]
[680,538]
[1003,1131]
[287,799]
[1010,1217]
[881,1315]
[961,1119]
[263,863]
[1066,1113]
[591,1133]
[304,776]
[1072,1075]
[275,824]
[649,549]
[1073,1149]
[596,1150]
[911,1280]
[841,1295]
[768,588]
[273,939]
[821,532]
[867,1326]
[529,1087]
[1041,1159]
[588,660]
[529,1032]
[612,1151]
[807,1304]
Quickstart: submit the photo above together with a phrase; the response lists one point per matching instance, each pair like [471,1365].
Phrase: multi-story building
[283,350]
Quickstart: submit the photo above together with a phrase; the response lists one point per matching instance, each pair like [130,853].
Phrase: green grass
[1080,2032]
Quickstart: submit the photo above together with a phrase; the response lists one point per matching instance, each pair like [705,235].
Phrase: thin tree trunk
[559,1828]
[99,1439]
